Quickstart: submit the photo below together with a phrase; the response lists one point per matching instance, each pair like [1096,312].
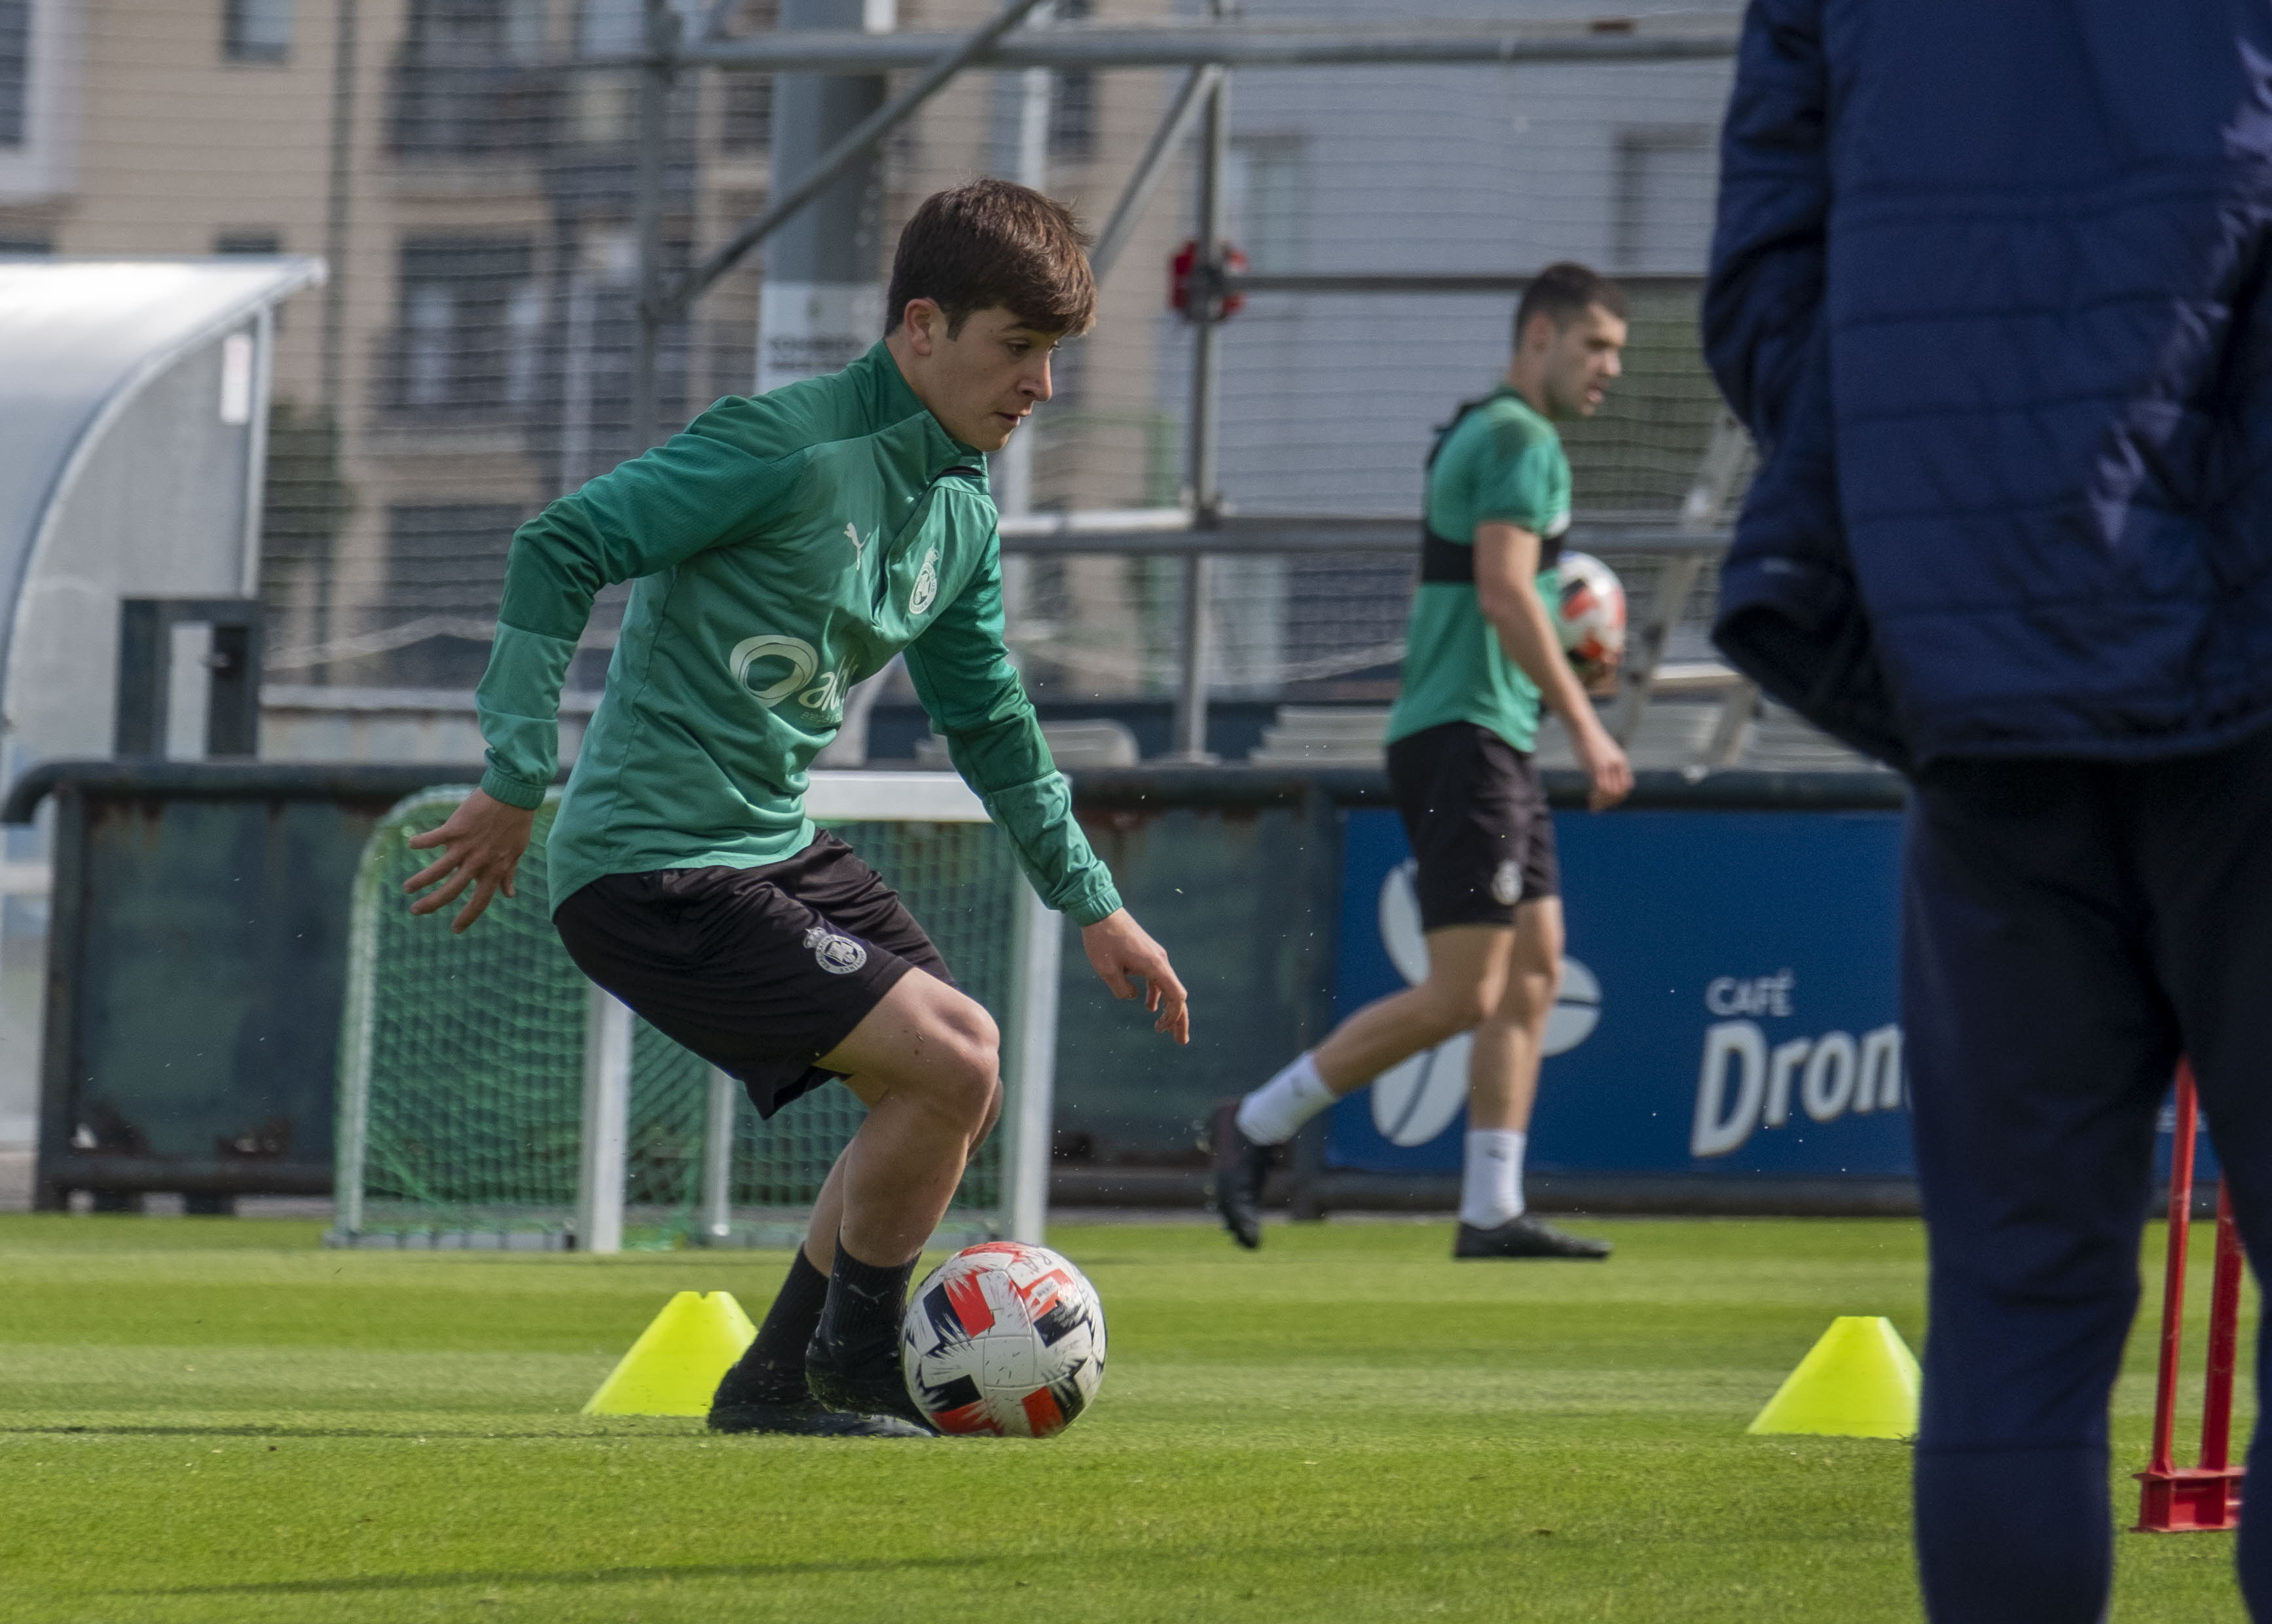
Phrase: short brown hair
[1565,291]
[994,243]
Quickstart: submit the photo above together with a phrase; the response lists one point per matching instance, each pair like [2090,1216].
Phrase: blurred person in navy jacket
[1988,285]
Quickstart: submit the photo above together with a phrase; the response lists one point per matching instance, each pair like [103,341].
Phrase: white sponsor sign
[809,329]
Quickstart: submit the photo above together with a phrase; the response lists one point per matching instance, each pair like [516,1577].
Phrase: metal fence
[557,228]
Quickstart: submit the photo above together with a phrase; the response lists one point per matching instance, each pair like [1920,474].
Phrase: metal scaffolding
[1200,529]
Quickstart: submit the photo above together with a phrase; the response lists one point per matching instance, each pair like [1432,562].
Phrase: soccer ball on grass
[1004,1339]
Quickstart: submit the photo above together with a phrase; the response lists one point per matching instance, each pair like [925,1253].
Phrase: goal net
[492,1097]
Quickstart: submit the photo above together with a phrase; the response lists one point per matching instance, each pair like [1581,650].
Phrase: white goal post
[402,1181]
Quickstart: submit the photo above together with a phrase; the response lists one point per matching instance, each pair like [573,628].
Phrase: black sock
[773,1370]
[865,1303]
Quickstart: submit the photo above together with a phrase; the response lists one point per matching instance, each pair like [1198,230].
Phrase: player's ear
[924,322]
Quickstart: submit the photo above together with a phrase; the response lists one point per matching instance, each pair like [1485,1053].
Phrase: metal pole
[1174,125]
[606,1126]
[337,217]
[662,36]
[717,1219]
[821,306]
[1199,454]
[1160,44]
[803,117]
[1031,1053]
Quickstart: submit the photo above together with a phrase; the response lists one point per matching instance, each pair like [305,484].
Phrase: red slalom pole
[2173,1277]
[2175,1499]
[2224,1339]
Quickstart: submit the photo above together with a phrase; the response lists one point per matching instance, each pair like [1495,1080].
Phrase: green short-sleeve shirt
[1500,463]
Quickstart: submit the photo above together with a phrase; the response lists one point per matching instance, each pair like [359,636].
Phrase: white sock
[1491,1191]
[1270,1115]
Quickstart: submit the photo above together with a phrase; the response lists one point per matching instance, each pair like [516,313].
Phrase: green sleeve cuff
[1099,901]
[513,791]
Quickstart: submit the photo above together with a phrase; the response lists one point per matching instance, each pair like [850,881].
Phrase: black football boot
[760,1398]
[1526,1236]
[1240,1167]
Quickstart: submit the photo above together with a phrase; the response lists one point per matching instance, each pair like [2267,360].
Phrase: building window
[248,243]
[1072,114]
[1662,217]
[444,568]
[1266,200]
[15,68]
[1073,95]
[472,316]
[746,118]
[611,27]
[256,30]
[469,82]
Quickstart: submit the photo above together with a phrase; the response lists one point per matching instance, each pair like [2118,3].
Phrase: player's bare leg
[916,1061]
[1502,1087]
[925,1061]
[1467,967]
[1510,1040]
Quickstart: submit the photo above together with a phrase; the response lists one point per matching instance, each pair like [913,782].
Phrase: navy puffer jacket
[1989,288]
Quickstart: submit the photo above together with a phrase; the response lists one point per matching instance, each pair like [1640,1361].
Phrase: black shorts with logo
[1482,837]
[759,970]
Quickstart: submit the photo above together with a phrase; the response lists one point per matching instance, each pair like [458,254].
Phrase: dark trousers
[2070,929]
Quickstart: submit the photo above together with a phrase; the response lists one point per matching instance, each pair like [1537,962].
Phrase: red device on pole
[2178,1499]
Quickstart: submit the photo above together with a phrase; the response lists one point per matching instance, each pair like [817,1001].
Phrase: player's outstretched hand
[482,846]
[1121,952]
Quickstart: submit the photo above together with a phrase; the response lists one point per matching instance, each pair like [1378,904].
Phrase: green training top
[783,547]
[1501,462]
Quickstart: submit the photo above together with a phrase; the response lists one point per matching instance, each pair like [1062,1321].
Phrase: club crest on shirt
[926,587]
[838,955]
[1506,884]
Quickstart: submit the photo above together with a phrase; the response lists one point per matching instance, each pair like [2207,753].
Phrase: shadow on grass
[577,1575]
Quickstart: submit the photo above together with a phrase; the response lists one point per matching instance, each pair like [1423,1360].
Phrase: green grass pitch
[215,1420]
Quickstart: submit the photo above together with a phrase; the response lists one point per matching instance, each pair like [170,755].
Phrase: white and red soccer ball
[1591,614]
[1003,1340]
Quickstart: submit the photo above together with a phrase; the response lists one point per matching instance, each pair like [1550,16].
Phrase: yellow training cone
[673,1367]
[1860,1381]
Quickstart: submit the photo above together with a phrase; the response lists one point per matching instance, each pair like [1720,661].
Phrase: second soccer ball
[1591,613]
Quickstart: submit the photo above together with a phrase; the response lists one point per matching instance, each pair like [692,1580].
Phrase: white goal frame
[1029,1026]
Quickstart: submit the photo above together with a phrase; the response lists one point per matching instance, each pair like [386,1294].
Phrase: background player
[784,549]
[1481,650]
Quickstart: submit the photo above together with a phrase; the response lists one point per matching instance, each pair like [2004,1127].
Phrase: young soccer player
[1481,652]
[784,549]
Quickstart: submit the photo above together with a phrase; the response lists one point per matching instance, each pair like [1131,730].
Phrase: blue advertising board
[1730,1004]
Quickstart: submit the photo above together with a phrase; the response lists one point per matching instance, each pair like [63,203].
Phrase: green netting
[462,1060]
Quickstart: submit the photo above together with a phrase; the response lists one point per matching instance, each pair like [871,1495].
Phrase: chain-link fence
[474,185]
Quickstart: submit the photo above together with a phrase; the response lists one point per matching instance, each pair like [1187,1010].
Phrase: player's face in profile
[981,383]
[1580,361]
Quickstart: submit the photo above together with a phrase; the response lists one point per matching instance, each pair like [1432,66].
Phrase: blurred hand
[1120,951]
[482,842]
[1609,775]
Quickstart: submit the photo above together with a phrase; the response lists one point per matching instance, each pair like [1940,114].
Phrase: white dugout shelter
[133,412]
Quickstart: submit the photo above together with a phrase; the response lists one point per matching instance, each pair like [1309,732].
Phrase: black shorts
[759,970]
[1482,837]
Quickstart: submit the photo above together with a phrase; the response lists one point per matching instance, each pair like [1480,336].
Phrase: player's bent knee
[1456,1009]
[993,1115]
[1528,999]
[962,1064]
